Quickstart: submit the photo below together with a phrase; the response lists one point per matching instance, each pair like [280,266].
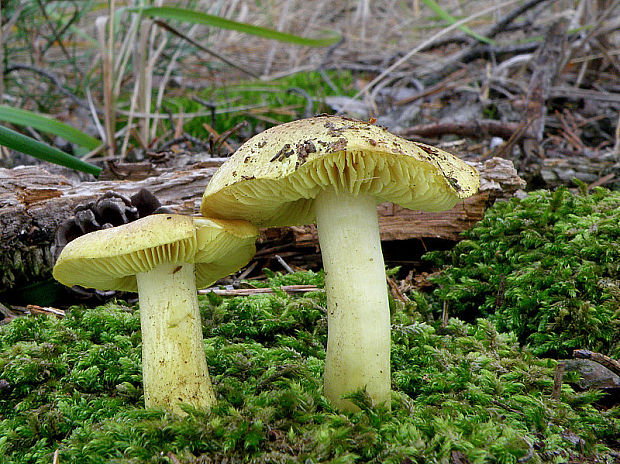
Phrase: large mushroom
[165,258]
[336,170]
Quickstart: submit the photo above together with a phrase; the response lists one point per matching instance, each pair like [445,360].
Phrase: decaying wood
[606,361]
[603,170]
[34,202]
[592,375]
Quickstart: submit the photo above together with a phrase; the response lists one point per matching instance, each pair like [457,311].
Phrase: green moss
[546,267]
[63,375]
[75,387]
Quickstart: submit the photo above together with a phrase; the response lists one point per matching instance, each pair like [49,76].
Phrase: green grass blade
[443,14]
[29,146]
[43,123]
[198,17]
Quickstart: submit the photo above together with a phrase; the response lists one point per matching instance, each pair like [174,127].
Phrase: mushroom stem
[358,340]
[174,367]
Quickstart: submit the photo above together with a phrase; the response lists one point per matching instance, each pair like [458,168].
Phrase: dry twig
[255,291]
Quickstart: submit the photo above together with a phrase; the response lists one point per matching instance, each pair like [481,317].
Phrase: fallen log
[33,203]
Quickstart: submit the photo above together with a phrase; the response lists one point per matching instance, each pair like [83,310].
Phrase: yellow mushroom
[165,258]
[334,171]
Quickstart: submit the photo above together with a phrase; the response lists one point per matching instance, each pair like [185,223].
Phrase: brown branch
[451,81]
[499,26]
[52,77]
[511,16]
[558,377]
[475,129]
[605,361]
[478,50]
[547,64]
[58,36]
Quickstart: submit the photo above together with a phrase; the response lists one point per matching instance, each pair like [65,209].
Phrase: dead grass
[387,42]
[375,32]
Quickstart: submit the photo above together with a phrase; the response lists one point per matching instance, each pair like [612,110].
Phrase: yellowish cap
[272,179]
[109,259]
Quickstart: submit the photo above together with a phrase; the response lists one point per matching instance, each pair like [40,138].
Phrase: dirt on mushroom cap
[273,177]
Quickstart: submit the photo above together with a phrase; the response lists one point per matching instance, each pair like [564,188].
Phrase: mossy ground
[463,391]
[546,268]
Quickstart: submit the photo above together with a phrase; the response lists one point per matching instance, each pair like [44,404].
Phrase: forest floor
[482,330]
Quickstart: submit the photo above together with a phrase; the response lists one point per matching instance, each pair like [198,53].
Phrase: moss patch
[74,385]
[546,267]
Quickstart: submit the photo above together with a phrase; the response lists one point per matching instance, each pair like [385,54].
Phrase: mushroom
[164,257]
[336,170]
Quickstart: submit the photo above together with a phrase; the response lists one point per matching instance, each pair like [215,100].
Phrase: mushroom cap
[272,179]
[109,259]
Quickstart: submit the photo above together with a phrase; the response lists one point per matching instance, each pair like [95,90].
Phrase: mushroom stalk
[358,340]
[174,366]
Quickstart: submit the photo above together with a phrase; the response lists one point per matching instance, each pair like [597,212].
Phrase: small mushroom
[335,170]
[164,257]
